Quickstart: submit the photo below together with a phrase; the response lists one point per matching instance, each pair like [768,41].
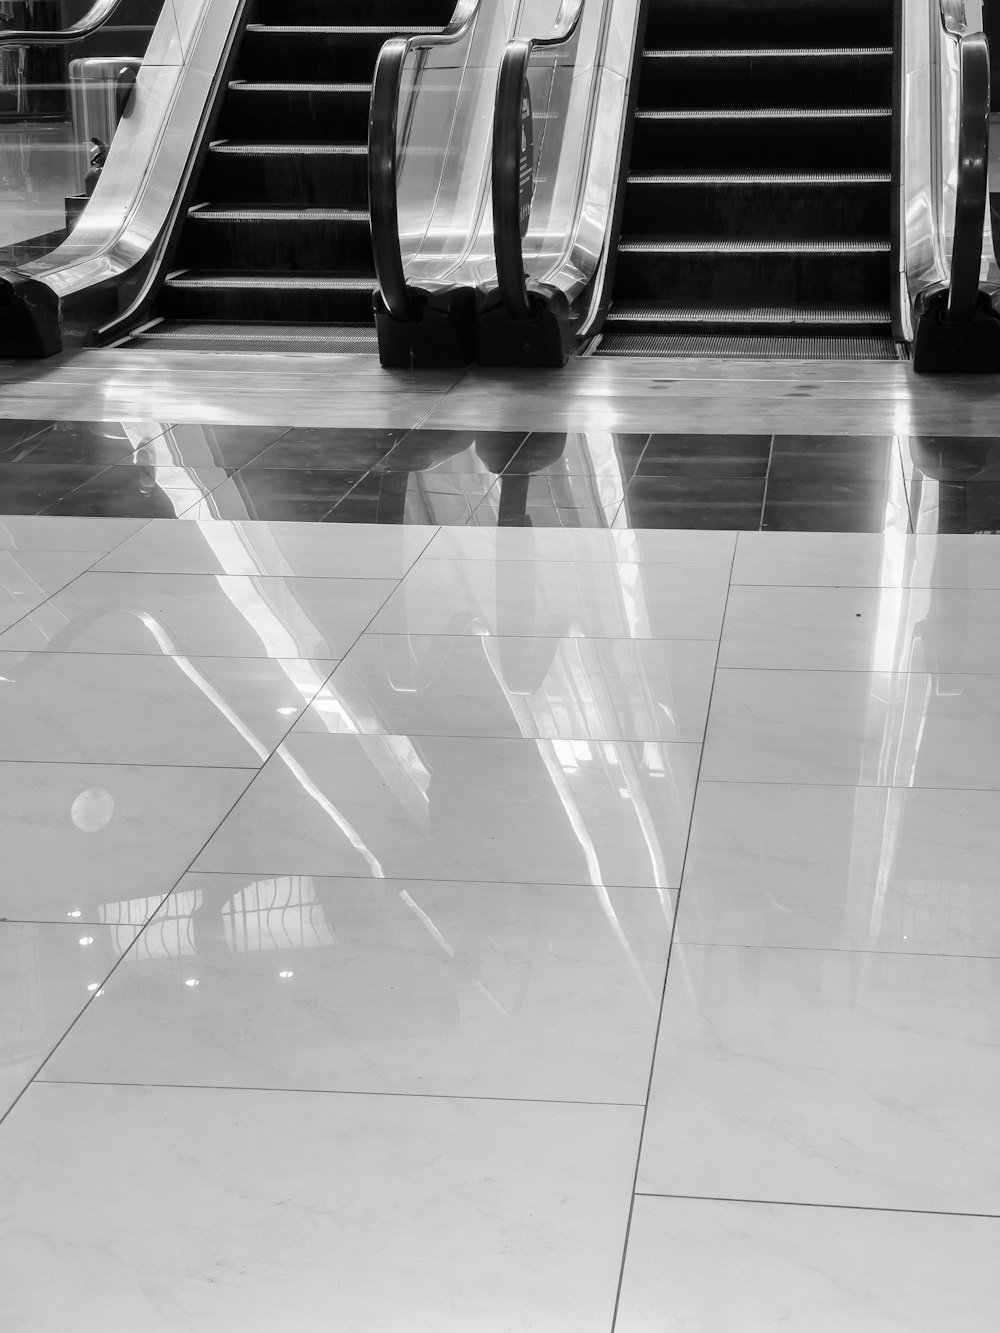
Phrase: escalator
[757,215]
[770,179]
[274,251]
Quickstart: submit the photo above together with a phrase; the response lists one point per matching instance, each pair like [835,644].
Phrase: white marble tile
[305,550]
[805,1270]
[470,685]
[135,709]
[173,1209]
[862,629]
[103,843]
[899,869]
[650,546]
[218,615]
[42,532]
[27,578]
[531,991]
[524,811]
[48,974]
[809,1076]
[855,727]
[867,560]
[559,599]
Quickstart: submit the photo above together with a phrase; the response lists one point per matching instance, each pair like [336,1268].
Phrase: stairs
[275,249]
[757,211]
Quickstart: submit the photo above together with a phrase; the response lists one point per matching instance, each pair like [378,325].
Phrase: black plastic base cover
[545,340]
[29,318]
[443,335]
[971,347]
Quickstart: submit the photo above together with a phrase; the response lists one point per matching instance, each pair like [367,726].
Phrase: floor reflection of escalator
[275,248]
[758,198]
[953,483]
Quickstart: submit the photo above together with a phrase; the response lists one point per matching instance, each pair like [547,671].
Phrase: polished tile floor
[506,880]
[583,479]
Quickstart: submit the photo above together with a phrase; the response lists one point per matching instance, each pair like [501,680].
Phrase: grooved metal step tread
[208,337]
[752,347]
[752,53]
[223,213]
[829,315]
[772,113]
[340,30]
[209,280]
[766,178]
[251,86]
[742,245]
[287,149]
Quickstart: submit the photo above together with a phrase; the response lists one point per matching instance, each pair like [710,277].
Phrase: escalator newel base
[972,346]
[29,318]
[443,335]
[544,341]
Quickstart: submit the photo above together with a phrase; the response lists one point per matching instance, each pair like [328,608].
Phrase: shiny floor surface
[502,478]
[449,923]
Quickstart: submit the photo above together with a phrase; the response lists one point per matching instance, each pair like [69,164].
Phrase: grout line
[907,483]
[666,979]
[846,949]
[137,763]
[334,1092]
[851,786]
[832,948]
[767,482]
[807,1203]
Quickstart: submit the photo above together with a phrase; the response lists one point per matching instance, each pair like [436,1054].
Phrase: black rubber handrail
[973,163]
[512,283]
[95,18]
[383,121]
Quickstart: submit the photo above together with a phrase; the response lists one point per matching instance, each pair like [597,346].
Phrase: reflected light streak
[327,806]
[294,767]
[549,751]
[210,692]
[432,929]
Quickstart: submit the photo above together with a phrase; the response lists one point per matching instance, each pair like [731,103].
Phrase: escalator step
[766,178]
[235,297]
[307,112]
[796,78]
[289,149]
[764,347]
[224,213]
[275,239]
[729,271]
[673,245]
[300,174]
[769,204]
[751,316]
[286,281]
[338,31]
[767,113]
[209,337]
[763,139]
[763,53]
[769,23]
[316,51]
